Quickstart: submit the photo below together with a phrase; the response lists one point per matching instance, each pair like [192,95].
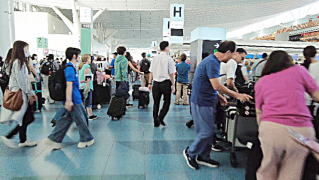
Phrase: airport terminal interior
[159,90]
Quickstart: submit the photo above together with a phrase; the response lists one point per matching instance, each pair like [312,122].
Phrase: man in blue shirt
[205,96]
[73,107]
[182,80]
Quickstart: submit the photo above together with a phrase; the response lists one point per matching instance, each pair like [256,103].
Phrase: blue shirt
[72,76]
[113,68]
[203,94]
[182,72]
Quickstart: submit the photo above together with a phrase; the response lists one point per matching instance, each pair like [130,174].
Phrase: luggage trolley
[243,118]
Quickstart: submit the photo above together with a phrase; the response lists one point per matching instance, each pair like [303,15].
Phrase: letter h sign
[177,12]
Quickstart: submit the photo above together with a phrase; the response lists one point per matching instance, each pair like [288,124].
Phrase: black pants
[161,89]
[28,118]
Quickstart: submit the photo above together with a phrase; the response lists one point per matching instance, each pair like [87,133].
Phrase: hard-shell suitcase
[117,108]
[144,98]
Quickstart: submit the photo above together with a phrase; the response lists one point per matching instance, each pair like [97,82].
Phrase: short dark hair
[143,55]
[183,57]
[264,56]
[227,46]
[50,57]
[121,50]
[163,45]
[278,61]
[241,50]
[309,52]
[115,53]
[71,51]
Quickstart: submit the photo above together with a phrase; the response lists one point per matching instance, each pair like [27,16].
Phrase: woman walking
[18,71]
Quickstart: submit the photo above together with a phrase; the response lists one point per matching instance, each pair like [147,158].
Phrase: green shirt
[121,65]
[82,76]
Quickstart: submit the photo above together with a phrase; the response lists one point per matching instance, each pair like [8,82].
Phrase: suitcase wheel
[233,160]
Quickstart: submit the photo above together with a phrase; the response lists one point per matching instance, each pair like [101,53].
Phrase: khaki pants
[145,80]
[283,158]
[179,87]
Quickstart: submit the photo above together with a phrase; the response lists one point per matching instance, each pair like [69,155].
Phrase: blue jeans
[78,115]
[204,119]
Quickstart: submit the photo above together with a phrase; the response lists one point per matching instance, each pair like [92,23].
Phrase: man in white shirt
[163,73]
[227,74]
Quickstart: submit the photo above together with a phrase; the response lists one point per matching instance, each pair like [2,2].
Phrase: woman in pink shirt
[281,104]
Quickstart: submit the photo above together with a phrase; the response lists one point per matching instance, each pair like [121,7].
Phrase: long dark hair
[309,52]
[9,55]
[128,56]
[18,53]
[278,61]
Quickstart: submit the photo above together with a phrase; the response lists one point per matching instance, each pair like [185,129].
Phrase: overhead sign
[42,42]
[177,12]
[166,27]
[86,15]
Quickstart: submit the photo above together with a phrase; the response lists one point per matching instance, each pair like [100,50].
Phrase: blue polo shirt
[71,75]
[203,94]
[182,72]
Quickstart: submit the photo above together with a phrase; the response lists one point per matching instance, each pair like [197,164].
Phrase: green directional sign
[42,42]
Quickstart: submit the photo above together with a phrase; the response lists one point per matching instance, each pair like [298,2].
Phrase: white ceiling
[138,22]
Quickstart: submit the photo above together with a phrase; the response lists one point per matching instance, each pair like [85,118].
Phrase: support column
[7,32]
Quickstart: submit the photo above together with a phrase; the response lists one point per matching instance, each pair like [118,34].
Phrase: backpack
[57,84]
[47,68]
[239,80]
[145,66]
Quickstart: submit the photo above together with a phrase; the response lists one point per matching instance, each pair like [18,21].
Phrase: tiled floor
[129,149]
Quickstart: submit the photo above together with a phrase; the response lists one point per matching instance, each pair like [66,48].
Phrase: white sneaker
[82,145]
[27,144]
[99,106]
[8,142]
[51,144]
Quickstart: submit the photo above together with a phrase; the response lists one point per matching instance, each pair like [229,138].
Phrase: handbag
[12,100]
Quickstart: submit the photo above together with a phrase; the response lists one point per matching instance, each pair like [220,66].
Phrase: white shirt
[227,70]
[257,71]
[162,66]
[314,71]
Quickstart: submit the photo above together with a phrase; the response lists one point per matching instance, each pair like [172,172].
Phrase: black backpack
[47,68]
[145,66]
[239,80]
[57,84]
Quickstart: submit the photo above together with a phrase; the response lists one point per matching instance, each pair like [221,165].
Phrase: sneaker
[8,142]
[217,148]
[51,144]
[82,145]
[157,123]
[210,163]
[27,144]
[191,162]
[129,105]
[99,106]
[93,117]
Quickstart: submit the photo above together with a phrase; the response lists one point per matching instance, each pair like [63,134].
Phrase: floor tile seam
[108,158]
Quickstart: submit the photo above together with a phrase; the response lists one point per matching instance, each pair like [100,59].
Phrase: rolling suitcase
[136,93]
[117,108]
[144,98]
[37,89]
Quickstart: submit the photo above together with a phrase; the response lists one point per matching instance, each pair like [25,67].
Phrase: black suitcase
[117,108]
[136,93]
[144,99]
[37,89]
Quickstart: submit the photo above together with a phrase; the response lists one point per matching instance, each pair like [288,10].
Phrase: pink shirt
[281,96]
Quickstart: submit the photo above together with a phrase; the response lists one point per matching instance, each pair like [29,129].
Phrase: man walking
[73,107]
[145,68]
[204,99]
[162,71]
